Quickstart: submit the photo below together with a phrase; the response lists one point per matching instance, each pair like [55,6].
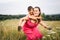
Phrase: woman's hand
[45,26]
[19,28]
[49,28]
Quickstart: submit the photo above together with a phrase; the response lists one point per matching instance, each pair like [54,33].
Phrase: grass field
[8,30]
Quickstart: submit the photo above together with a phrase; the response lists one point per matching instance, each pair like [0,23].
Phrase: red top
[30,30]
[29,25]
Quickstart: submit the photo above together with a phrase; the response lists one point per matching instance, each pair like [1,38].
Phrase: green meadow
[9,31]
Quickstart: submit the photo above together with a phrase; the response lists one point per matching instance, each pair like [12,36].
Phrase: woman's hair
[39,14]
[39,10]
[29,8]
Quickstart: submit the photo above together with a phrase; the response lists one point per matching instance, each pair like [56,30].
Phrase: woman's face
[36,12]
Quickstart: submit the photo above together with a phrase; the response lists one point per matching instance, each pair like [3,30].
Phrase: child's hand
[38,17]
[25,18]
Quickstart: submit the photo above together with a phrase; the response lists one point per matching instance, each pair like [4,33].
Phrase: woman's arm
[22,22]
[19,25]
[44,25]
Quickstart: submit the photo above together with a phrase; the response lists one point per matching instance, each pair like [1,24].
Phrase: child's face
[31,12]
[36,12]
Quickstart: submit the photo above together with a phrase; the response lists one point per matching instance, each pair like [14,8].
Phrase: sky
[17,7]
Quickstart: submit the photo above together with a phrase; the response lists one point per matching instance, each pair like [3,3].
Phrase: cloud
[5,1]
[20,6]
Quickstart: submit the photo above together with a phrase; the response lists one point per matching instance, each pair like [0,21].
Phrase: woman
[24,19]
[30,26]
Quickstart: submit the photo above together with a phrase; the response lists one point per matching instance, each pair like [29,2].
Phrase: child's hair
[29,8]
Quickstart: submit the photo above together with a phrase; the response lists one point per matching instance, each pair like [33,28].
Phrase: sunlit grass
[8,30]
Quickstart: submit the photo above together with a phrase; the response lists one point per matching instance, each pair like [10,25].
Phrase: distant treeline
[44,17]
[5,17]
[54,17]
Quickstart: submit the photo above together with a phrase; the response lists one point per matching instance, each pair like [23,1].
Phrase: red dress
[31,31]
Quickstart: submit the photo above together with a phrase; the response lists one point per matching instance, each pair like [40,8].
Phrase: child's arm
[32,17]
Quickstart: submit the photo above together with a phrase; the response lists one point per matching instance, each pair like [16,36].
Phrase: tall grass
[8,30]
